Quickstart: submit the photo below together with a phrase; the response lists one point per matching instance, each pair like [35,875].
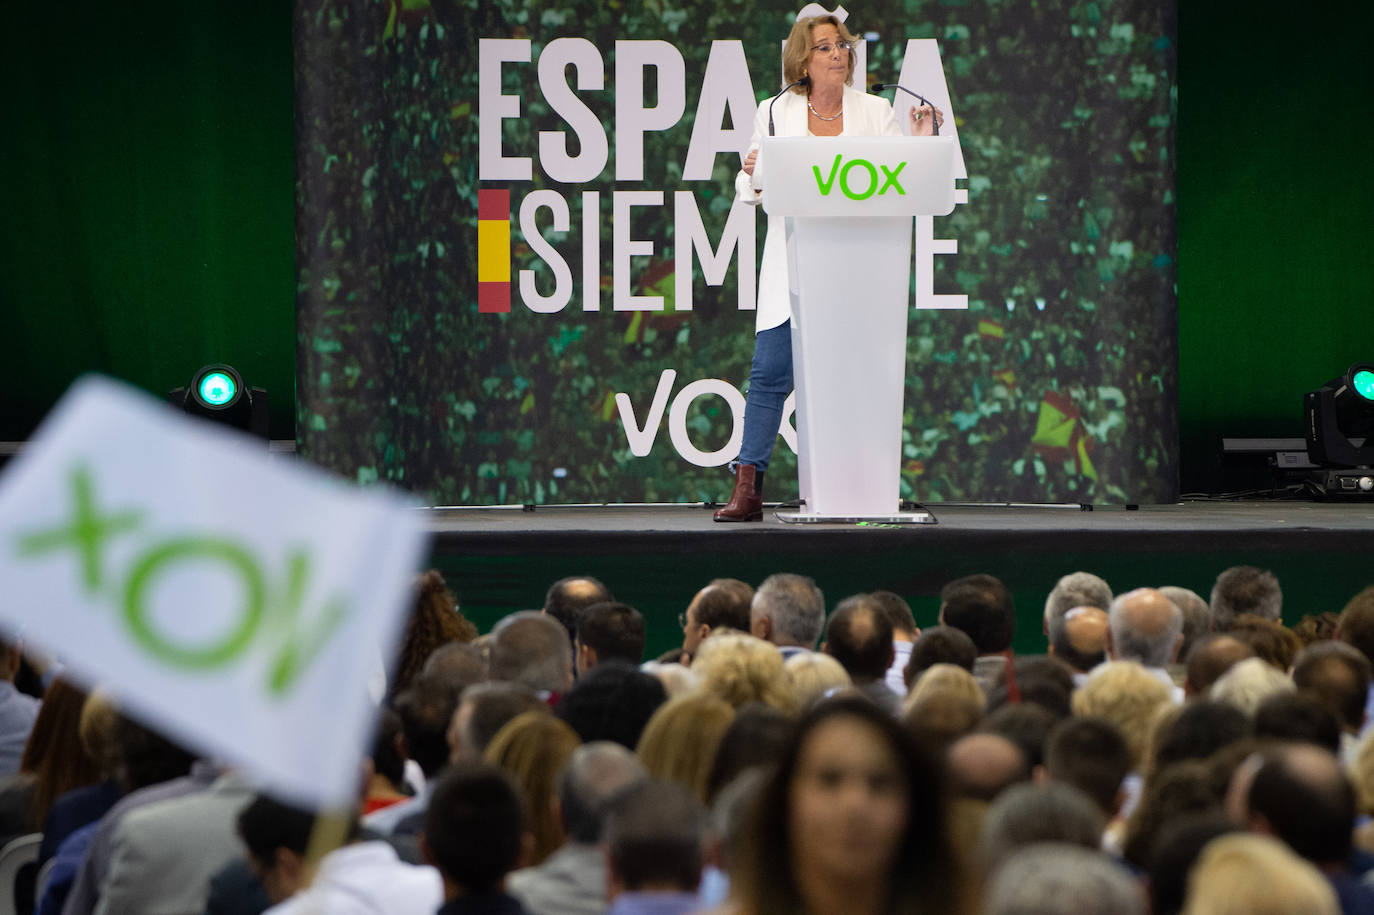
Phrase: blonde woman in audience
[1256,875]
[1248,683]
[533,748]
[947,680]
[1129,697]
[813,675]
[1361,773]
[741,669]
[680,741]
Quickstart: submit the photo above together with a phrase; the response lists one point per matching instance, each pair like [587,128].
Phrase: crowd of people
[1166,753]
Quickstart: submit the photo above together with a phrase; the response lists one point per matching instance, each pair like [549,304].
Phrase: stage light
[217,393]
[1340,419]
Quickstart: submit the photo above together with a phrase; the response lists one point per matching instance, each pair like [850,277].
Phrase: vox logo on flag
[235,603]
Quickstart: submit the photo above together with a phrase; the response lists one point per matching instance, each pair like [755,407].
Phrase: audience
[895,770]
[18,711]
[572,880]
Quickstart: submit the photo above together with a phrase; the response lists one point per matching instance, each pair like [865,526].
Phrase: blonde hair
[1361,774]
[1248,683]
[1242,874]
[797,51]
[681,739]
[812,674]
[946,680]
[676,679]
[534,747]
[741,669]
[1128,697]
[98,728]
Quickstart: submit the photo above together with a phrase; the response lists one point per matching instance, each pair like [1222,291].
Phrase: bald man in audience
[1079,639]
[982,766]
[1145,626]
[859,636]
[568,597]
[532,649]
[1212,656]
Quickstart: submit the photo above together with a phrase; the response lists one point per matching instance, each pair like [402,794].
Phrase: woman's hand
[921,118]
[749,160]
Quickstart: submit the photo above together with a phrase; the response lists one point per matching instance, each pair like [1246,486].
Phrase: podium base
[916,517]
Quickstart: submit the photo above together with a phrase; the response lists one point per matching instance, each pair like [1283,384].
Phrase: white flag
[235,603]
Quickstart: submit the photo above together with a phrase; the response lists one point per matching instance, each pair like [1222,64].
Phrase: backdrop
[553,158]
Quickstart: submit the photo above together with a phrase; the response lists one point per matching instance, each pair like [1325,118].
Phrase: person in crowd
[482,712]
[982,607]
[1256,875]
[1356,625]
[1361,773]
[358,877]
[533,748]
[821,100]
[1275,643]
[608,631]
[54,761]
[463,663]
[1339,676]
[1028,813]
[435,621]
[1025,724]
[1146,627]
[1248,683]
[1298,718]
[1090,755]
[789,611]
[98,729]
[674,676]
[654,836]
[723,604]
[1050,878]
[939,645]
[163,854]
[1078,639]
[1201,728]
[1182,789]
[612,701]
[1128,697]
[572,880]
[1077,589]
[385,765]
[813,675]
[904,634]
[532,649]
[1035,680]
[681,740]
[741,669]
[473,833]
[1317,627]
[982,766]
[1300,794]
[425,710]
[726,823]
[852,820]
[18,710]
[1212,656]
[944,708]
[568,597]
[153,769]
[1197,616]
[1176,850]
[859,636]
[1245,589]
[755,738]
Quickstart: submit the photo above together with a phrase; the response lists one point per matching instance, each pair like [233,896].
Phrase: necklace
[834,117]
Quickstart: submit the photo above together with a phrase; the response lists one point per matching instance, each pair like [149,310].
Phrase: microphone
[934,124]
[804,81]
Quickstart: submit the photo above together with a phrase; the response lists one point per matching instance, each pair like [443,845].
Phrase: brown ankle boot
[746,502]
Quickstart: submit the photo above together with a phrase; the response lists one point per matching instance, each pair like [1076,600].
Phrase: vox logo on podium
[866,183]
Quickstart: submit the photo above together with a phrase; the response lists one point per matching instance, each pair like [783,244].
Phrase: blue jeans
[770,381]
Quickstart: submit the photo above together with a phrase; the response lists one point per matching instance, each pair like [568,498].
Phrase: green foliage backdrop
[1067,120]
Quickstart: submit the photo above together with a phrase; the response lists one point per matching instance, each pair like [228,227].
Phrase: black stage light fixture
[1340,419]
[217,393]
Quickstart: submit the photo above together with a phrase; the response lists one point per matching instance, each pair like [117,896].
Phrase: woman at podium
[818,61]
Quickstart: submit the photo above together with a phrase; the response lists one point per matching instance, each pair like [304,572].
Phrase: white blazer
[865,115]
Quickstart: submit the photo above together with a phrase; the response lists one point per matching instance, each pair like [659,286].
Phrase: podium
[848,204]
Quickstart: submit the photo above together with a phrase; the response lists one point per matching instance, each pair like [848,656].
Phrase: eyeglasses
[844,47]
[682,620]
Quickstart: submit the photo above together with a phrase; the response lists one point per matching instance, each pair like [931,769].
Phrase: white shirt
[896,674]
[366,879]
